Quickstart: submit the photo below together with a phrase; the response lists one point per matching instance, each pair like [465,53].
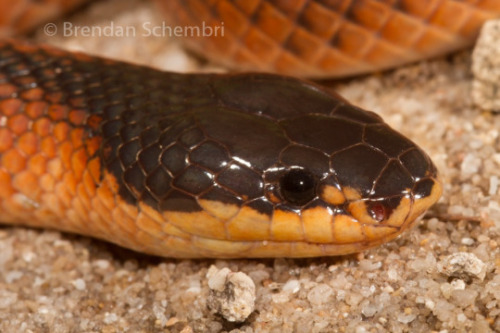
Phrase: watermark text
[147,29]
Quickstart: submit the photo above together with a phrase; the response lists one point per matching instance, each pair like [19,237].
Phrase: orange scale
[47,182]
[88,184]
[132,210]
[26,182]
[42,126]
[10,106]
[7,90]
[61,131]
[36,109]
[92,145]
[54,208]
[94,167]
[99,214]
[45,215]
[18,123]
[94,121]
[70,183]
[55,168]
[92,175]
[79,163]
[76,135]
[82,196]
[77,117]
[6,139]
[48,146]
[141,242]
[177,247]
[28,143]
[34,94]
[65,150]
[106,194]
[123,221]
[37,164]
[58,112]
[13,161]
[74,220]
[63,193]
[6,190]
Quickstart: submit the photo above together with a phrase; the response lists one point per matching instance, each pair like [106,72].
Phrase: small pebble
[232,295]
[462,264]
[320,294]
[291,286]
[79,284]
[467,241]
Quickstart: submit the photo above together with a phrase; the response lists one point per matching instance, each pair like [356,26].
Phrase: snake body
[240,165]
[328,38]
[249,165]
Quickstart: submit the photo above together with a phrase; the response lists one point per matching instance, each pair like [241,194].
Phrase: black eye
[298,186]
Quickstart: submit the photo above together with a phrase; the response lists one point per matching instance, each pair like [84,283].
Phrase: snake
[232,165]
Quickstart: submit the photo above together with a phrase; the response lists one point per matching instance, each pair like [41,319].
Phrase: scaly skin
[199,165]
[324,38]
[314,38]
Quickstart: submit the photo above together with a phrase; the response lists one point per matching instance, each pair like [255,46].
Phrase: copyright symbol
[50,29]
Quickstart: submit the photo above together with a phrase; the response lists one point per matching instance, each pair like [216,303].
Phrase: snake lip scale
[199,165]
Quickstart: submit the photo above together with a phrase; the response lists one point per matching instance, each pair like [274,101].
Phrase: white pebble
[320,294]
[467,241]
[369,310]
[232,295]
[101,263]
[110,318]
[79,284]
[368,265]
[291,286]
[470,165]
[458,284]
[280,298]
[392,274]
[462,264]
[406,318]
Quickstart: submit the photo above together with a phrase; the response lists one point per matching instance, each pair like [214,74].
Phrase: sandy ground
[53,282]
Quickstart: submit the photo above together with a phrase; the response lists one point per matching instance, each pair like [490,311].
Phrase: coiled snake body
[241,165]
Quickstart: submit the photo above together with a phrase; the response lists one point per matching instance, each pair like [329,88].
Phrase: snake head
[336,178]
[352,179]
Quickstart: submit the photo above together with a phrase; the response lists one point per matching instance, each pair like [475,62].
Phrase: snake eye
[298,186]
